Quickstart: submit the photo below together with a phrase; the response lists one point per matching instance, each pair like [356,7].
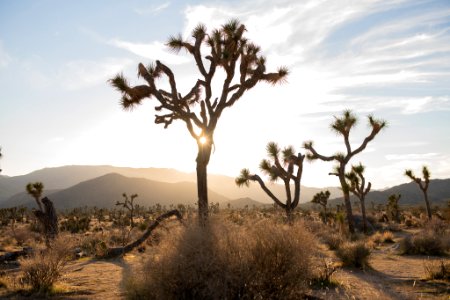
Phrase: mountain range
[102,186]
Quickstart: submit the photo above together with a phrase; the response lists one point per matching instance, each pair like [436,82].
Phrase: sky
[390,59]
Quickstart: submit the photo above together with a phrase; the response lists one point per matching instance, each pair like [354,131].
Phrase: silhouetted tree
[423,185]
[342,126]
[200,109]
[321,198]
[128,203]
[1,156]
[357,185]
[46,214]
[280,165]
[393,208]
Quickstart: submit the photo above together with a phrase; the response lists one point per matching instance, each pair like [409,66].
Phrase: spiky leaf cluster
[321,198]
[226,48]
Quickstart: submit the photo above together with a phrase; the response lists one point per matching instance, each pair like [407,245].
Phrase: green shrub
[228,261]
[354,254]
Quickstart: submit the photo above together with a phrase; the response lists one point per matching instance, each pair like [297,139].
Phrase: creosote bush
[226,261]
[354,254]
[44,267]
[434,239]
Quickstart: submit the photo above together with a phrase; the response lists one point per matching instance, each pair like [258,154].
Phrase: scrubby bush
[75,224]
[354,254]
[438,270]
[44,267]
[434,239]
[333,240]
[227,261]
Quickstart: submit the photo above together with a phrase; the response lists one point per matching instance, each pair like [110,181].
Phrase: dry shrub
[354,254]
[45,266]
[333,240]
[379,238]
[434,239]
[227,261]
[438,270]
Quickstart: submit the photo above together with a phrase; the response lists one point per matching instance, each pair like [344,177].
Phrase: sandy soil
[390,277]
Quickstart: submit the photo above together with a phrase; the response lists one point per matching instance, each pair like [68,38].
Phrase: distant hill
[67,176]
[105,190]
[243,202]
[438,193]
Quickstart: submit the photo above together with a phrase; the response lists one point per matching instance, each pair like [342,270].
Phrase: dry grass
[226,261]
[354,254]
[434,239]
[45,266]
[438,270]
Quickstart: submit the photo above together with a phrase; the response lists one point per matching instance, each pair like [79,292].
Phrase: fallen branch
[14,255]
[119,251]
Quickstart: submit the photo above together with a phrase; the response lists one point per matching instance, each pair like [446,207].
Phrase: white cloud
[412,156]
[153,9]
[154,50]
[85,73]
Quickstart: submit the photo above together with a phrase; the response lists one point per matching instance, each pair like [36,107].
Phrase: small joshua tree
[393,208]
[128,203]
[342,126]
[280,165]
[423,185]
[46,214]
[223,49]
[321,198]
[357,185]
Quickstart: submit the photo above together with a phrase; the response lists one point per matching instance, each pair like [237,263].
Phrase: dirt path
[390,276]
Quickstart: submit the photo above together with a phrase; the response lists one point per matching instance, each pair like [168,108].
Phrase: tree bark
[363,211]
[427,203]
[348,205]
[204,153]
[118,251]
[48,219]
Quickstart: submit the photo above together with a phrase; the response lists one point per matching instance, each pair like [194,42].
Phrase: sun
[202,140]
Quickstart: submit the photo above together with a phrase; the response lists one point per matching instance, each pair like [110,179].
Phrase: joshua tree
[225,48]
[46,214]
[393,208]
[342,126]
[357,185]
[128,203]
[423,185]
[35,190]
[321,198]
[277,167]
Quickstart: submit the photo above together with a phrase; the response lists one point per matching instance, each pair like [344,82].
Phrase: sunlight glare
[202,140]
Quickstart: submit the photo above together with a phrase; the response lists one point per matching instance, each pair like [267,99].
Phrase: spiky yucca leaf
[376,124]
[175,43]
[410,174]
[426,173]
[120,83]
[358,169]
[199,31]
[243,178]
[272,150]
[287,153]
[230,27]
[265,166]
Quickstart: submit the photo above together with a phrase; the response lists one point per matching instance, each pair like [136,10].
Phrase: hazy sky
[387,58]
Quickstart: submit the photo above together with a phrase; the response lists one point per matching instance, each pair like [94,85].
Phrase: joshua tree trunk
[204,153]
[363,211]
[427,203]
[48,219]
[348,205]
